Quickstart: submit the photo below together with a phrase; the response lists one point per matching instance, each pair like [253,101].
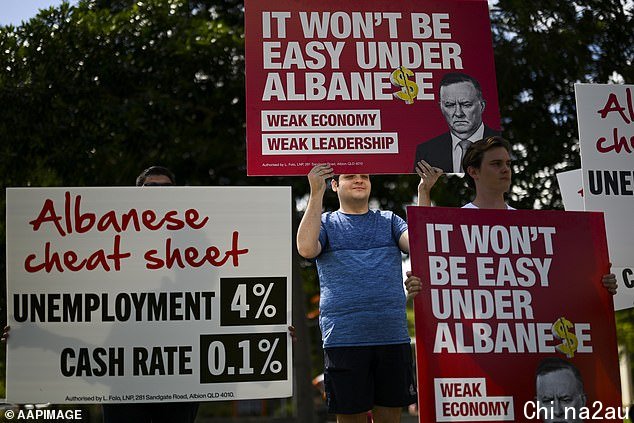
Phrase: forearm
[424,197]
[428,177]
[308,231]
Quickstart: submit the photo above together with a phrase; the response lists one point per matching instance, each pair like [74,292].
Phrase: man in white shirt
[487,168]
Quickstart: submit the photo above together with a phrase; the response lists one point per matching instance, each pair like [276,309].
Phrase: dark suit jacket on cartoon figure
[437,151]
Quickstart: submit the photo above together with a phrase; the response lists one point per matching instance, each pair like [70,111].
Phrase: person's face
[461,108]
[157,180]
[557,390]
[495,172]
[352,187]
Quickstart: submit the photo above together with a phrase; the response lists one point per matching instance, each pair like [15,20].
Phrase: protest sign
[606,137]
[504,293]
[356,85]
[570,187]
[148,294]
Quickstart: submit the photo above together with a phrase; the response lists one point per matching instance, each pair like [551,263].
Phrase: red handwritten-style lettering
[69,260]
[612,105]
[616,144]
[47,214]
[75,220]
[191,256]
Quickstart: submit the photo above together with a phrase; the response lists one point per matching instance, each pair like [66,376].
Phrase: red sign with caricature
[513,323]
[356,84]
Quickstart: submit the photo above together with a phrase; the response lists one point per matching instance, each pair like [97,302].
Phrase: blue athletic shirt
[361,280]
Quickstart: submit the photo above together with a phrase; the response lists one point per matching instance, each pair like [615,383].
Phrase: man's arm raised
[308,244]
[428,177]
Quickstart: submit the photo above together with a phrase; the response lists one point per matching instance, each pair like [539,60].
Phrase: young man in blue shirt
[367,354]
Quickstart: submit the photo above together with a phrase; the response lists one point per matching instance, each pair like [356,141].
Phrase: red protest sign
[513,323]
[357,85]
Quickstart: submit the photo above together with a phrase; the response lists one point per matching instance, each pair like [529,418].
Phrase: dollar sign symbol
[409,90]
[560,330]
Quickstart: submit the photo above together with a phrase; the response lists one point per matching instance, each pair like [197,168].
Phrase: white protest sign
[148,294]
[606,136]
[570,187]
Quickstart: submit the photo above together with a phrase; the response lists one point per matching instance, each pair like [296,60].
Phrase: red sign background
[578,253]
[457,38]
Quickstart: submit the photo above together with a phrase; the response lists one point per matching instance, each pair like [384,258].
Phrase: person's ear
[483,104]
[473,172]
[333,184]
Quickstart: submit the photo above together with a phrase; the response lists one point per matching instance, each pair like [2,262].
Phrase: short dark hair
[155,170]
[553,364]
[474,154]
[456,77]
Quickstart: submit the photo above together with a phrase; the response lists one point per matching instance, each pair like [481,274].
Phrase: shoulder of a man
[397,224]
[434,142]
[327,215]
[489,132]
[386,214]
[327,218]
